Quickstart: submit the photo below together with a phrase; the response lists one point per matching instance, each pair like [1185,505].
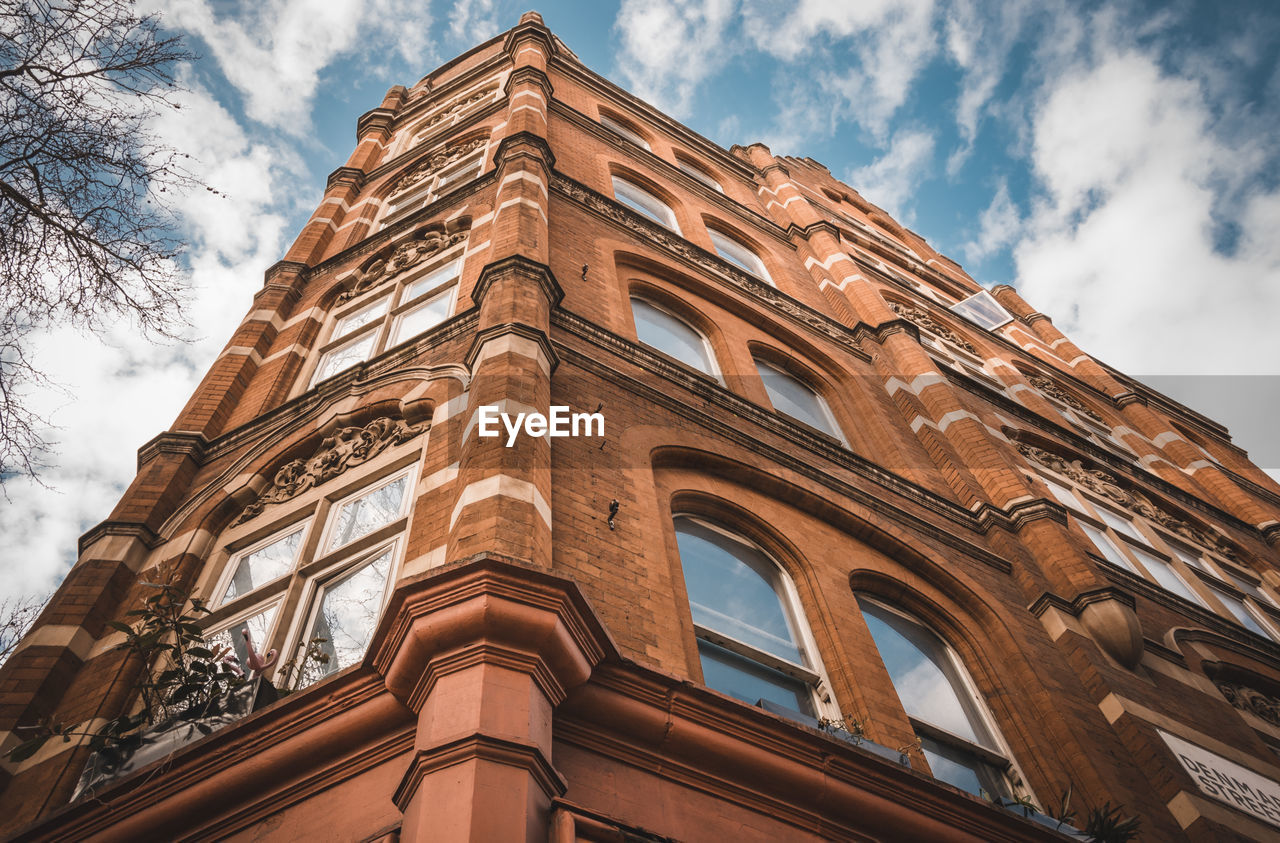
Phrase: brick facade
[1092,563]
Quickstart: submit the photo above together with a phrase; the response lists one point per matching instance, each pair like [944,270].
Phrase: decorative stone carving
[435,162]
[1048,387]
[423,245]
[1247,699]
[459,105]
[925,321]
[1109,487]
[678,245]
[346,448]
[1114,625]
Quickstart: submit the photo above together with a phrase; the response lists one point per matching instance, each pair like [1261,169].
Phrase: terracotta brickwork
[1089,563]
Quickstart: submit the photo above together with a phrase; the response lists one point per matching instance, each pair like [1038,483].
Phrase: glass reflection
[264,565]
[259,627]
[791,397]
[348,612]
[669,335]
[368,512]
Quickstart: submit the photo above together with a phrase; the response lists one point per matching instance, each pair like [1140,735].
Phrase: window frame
[295,594]
[835,431]
[1001,758]
[637,205]
[698,174]
[399,205]
[713,364]
[385,328]
[723,243]
[620,128]
[813,673]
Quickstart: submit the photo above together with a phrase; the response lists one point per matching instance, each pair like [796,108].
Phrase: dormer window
[983,310]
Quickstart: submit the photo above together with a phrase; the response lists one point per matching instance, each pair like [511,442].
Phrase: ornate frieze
[1109,487]
[1048,387]
[344,449]
[1247,699]
[457,106]
[923,320]
[411,252]
[435,162]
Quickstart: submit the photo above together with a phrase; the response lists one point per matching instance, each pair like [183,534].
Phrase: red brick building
[837,480]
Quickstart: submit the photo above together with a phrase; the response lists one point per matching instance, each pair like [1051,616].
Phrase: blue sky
[1113,160]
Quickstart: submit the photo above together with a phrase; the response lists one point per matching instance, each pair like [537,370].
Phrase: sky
[1115,161]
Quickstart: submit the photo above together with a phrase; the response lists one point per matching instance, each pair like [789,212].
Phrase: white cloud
[670,46]
[1122,246]
[474,21]
[127,389]
[891,179]
[998,226]
[273,51]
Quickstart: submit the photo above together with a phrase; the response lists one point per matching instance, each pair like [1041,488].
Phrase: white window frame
[712,364]
[833,427]
[402,204]
[740,255]
[813,675]
[315,567]
[636,198]
[983,310]
[385,328]
[698,174]
[1001,758]
[623,130]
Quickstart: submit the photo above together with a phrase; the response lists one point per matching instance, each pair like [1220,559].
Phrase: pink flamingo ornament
[257,663]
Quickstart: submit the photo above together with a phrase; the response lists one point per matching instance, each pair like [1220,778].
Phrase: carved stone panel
[344,449]
[435,162]
[421,246]
[1247,699]
[1109,487]
[1048,387]
[926,322]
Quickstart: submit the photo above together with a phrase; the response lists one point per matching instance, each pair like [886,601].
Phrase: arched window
[752,638]
[739,255]
[792,397]
[659,329]
[644,203]
[623,129]
[698,174]
[956,734]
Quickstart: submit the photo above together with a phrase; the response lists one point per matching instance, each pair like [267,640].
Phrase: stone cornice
[128,529]
[374,120]
[191,445]
[539,273]
[352,177]
[531,75]
[529,333]
[525,144]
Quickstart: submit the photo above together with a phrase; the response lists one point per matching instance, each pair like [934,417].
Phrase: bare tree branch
[16,616]
[87,234]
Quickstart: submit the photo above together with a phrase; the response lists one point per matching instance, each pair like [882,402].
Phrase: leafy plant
[1106,826]
[298,668]
[848,723]
[182,676]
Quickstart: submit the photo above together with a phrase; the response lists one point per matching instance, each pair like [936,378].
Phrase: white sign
[1227,781]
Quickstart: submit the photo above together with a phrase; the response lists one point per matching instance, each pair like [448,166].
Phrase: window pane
[264,565]
[793,398]
[259,627]
[1105,546]
[728,593]
[345,357]
[434,279]
[360,318]
[926,679]
[1164,574]
[983,309]
[1063,494]
[1250,589]
[1242,614]
[670,336]
[643,202]
[462,174]
[1192,559]
[705,178]
[368,512]
[750,681]
[626,132]
[739,255]
[1119,523]
[424,317]
[962,769]
[348,612]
